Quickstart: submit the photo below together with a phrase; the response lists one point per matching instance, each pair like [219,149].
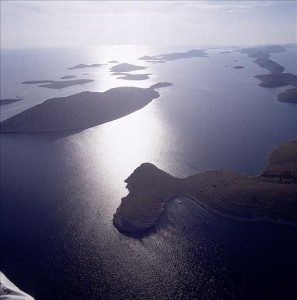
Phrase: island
[174,56]
[125,67]
[161,84]
[277,77]
[156,61]
[277,80]
[289,95]
[56,84]
[258,51]
[83,66]
[238,67]
[113,62]
[80,111]
[262,54]
[270,196]
[119,73]
[135,76]
[68,77]
[269,65]
[9,101]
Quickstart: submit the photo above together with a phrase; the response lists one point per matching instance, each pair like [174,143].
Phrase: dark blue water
[58,242]
[59,191]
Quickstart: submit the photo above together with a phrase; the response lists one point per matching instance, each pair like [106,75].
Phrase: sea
[59,190]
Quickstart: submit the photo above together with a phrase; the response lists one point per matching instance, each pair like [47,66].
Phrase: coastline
[81,111]
[140,211]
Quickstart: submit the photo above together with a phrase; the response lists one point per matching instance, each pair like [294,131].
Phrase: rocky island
[56,84]
[270,196]
[80,111]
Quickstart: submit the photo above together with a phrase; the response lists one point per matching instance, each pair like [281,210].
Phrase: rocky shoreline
[270,196]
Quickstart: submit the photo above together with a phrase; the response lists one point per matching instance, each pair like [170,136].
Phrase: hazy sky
[75,23]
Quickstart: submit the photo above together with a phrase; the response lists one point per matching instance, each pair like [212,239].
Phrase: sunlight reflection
[126,143]
[104,79]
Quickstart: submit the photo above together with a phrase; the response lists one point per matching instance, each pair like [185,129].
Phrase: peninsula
[56,84]
[270,196]
[80,111]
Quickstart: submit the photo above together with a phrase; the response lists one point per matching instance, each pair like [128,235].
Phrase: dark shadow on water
[48,136]
[140,235]
[53,136]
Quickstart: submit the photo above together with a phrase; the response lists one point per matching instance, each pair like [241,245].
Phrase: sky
[90,23]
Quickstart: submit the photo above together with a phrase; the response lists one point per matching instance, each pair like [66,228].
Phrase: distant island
[83,66]
[174,56]
[55,84]
[238,67]
[161,84]
[262,54]
[125,67]
[68,77]
[134,76]
[118,73]
[270,196]
[82,110]
[113,62]
[277,80]
[289,95]
[269,65]
[156,61]
[8,101]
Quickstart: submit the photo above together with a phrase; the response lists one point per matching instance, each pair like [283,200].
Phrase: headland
[270,196]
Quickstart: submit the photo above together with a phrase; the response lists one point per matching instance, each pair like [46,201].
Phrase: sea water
[59,191]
